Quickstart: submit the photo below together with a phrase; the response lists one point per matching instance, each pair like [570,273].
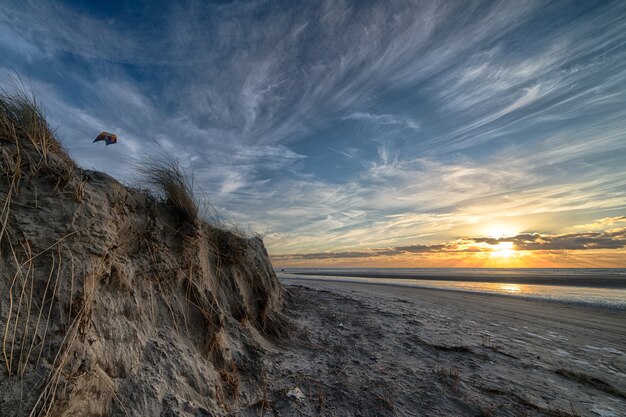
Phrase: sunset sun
[503,250]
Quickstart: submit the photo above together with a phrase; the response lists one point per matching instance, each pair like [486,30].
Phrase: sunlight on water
[599,297]
[511,288]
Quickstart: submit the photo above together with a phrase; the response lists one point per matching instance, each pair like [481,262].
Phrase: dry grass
[28,324]
[451,373]
[23,123]
[59,373]
[168,179]
[262,398]
[384,397]
[230,377]
[31,149]
[21,296]
[229,247]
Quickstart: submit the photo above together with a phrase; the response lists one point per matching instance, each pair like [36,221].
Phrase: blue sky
[347,126]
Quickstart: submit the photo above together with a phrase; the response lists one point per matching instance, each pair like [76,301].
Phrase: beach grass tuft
[22,121]
[229,246]
[167,177]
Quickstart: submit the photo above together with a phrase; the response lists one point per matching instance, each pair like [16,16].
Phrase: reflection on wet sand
[511,288]
[599,297]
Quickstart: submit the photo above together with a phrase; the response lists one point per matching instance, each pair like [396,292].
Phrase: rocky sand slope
[110,304]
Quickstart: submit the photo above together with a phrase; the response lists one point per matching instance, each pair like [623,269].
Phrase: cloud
[341,126]
[232,66]
[348,152]
[612,239]
[602,223]
[608,239]
[385,119]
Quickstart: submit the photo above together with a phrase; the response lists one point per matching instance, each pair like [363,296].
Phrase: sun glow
[500,230]
[503,250]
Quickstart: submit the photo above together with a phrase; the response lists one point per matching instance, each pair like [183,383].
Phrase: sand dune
[117,302]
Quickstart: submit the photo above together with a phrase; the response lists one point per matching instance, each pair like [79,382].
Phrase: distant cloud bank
[609,239]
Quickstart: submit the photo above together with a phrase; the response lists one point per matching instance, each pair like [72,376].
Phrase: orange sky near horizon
[596,245]
[516,259]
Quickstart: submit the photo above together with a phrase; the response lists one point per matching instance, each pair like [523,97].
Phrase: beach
[368,349]
[609,278]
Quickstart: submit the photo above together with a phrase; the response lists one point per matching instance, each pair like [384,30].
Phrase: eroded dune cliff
[110,304]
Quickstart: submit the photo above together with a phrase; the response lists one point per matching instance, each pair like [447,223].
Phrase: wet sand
[599,280]
[368,349]
[584,325]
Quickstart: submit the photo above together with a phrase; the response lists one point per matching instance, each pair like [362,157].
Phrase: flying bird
[109,138]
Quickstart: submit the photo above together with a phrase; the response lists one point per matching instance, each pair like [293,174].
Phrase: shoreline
[376,289]
[587,304]
[606,282]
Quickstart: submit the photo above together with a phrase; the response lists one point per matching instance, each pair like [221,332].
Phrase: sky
[357,133]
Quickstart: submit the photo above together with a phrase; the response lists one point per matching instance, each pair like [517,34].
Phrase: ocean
[600,288]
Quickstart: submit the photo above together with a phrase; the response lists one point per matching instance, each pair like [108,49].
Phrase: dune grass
[170,182]
[24,128]
[23,122]
[166,176]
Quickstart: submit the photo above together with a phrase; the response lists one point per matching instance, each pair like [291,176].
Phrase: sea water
[601,288]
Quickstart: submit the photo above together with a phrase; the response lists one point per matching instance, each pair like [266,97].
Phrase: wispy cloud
[348,152]
[602,223]
[385,120]
[339,126]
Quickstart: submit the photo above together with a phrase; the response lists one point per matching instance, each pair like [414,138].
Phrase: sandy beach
[369,350]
